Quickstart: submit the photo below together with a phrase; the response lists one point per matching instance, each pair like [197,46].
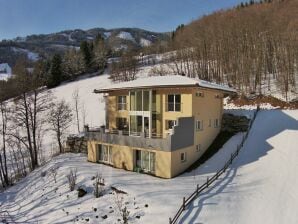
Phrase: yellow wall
[123,158]
[204,109]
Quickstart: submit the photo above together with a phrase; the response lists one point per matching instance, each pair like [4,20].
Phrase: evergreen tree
[55,71]
[86,49]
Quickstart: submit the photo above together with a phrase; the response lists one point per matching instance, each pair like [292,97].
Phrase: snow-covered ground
[144,42]
[40,199]
[126,36]
[261,185]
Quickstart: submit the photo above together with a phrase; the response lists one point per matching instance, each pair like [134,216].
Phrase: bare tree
[54,172]
[3,153]
[121,208]
[98,185]
[60,118]
[76,102]
[72,179]
[29,109]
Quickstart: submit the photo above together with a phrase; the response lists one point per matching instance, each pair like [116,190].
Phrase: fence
[209,181]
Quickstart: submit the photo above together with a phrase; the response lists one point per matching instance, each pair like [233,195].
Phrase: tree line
[249,47]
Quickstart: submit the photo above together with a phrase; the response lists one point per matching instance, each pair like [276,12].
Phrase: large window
[105,153]
[121,102]
[145,160]
[139,100]
[174,102]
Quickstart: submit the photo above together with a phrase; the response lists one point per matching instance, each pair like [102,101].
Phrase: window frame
[183,157]
[106,152]
[174,103]
[216,123]
[199,127]
[121,104]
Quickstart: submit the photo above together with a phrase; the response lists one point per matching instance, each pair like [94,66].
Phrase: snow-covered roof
[164,81]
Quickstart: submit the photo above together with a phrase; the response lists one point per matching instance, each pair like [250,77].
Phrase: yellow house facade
[159,125]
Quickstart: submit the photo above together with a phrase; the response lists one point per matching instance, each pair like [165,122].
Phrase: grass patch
[216,145]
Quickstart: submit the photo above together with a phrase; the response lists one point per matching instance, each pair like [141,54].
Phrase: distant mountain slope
[44,45]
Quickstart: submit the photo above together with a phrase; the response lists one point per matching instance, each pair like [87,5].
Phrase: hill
[249,47]
[45,45]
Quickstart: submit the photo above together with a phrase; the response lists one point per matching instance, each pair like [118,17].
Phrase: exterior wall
[203,109]
[207,108]
[123,158]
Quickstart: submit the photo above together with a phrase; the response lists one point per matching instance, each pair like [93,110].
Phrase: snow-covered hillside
[126,36]
[261,185]
[30,55]
[5,71]
[262,178]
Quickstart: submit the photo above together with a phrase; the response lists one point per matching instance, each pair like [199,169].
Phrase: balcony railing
[181,137]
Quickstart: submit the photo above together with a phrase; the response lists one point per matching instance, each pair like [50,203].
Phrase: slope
[260,187]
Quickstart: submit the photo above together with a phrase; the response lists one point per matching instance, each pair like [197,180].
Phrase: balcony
[182,136]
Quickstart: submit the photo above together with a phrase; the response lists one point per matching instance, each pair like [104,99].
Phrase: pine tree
[55,71]
[86,49]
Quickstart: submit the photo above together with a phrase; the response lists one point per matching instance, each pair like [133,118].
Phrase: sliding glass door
[145,160]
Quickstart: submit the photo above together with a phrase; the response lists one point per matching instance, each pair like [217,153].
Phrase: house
[158,125]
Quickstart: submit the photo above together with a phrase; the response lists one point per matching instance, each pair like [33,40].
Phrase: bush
[98,185]
[72,179]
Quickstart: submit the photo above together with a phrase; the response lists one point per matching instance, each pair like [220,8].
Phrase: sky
[25,17]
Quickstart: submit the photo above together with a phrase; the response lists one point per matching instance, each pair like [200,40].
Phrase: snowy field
[261,185]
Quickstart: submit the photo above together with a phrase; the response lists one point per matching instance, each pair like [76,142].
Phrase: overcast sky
[24,17]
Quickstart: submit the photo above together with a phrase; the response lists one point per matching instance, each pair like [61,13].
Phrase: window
[105,153]
[183,157]
[140,100]
[216,123]
[170,124]
[198,147]
[210,121]
[199,125]
[121,103]
[199,94]
[145,160]
[174,102]
[121,123]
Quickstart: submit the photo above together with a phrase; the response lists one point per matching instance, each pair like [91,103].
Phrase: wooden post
[198,189]
[231,158]
[170,220]
[207,181]
[183,203]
